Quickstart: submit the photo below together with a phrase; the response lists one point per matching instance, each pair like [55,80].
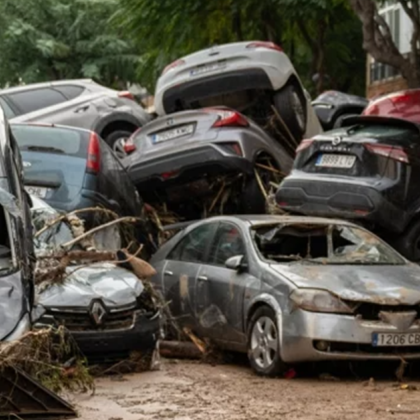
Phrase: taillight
[170,174]
[264,44]
[129,145]
[393,152]
[93,163]
[232,147]
[304,144]
[126,94]
[228,118]
[173,65]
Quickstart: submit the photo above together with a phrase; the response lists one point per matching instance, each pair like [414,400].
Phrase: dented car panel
[337,291]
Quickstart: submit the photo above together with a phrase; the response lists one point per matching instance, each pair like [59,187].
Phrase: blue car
[72,168]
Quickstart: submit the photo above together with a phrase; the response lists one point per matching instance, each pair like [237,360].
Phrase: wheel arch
[262,300]
[117,121]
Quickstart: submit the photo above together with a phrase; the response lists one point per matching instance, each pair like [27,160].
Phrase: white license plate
[174,133]
[395,339]
[335,161]
[39,192]
[208,68]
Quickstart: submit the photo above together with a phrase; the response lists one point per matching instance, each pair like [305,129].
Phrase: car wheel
[408,244]
[116,140]
[339,121]
[291,105]
[263,343]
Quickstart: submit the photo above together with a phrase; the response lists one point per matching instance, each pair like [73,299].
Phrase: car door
[219,290]
[181,271]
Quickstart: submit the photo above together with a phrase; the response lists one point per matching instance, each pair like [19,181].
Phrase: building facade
[382,78]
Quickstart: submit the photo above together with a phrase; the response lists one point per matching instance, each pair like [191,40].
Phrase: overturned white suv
[252,77]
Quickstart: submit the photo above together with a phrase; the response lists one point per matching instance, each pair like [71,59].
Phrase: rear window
[382,131]
[51,140]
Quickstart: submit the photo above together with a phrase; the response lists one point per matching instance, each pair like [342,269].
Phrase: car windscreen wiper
[44,149]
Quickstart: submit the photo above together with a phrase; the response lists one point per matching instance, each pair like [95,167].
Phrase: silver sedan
[291,289]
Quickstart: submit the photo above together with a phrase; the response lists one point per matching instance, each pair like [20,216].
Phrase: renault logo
[336,141]
[98,312]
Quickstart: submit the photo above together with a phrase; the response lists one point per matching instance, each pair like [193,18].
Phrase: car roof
[49,125]
[31,86]
[260,220]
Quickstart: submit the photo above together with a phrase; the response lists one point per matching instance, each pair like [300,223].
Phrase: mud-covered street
[185,390]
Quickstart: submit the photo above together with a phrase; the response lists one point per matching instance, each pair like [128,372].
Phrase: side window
[227,243]
[192,247]
[8,112]
[32,100]
[70,91]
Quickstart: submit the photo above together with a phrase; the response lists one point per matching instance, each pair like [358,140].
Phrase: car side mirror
[235,263]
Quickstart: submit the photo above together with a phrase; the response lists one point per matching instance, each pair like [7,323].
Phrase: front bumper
[192,162]
[350,338]
[141,335]
[340,199]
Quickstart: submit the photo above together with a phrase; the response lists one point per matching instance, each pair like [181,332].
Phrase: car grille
[81,320]
[370,311]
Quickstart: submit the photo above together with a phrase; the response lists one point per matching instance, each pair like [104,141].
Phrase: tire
[408,244]
[271,364]
[114,140]
[290,103]
[340,118]
[252,199]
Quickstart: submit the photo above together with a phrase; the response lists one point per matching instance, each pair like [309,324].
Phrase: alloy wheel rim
[264,345]
[118,147]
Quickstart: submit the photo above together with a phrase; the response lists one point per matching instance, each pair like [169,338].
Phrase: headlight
[319,301]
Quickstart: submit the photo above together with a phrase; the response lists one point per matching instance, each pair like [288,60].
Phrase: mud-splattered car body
[104,306]
[335,290]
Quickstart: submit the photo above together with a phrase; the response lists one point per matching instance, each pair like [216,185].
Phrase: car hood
[384,285]
[11,303]
[116,287]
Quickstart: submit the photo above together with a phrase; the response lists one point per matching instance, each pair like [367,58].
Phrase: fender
[274,305]
[117,116]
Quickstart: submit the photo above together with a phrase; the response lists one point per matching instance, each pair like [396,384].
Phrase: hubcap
[118,147]
[298,110]
[264,344]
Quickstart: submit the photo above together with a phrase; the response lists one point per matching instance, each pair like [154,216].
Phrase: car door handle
[202,278]
[168,273]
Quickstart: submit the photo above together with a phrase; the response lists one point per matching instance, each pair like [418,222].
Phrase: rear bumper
[335,198]
[214,85]
[193,162]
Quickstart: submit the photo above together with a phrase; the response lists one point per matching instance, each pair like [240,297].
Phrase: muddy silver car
[105,307]
[290,289]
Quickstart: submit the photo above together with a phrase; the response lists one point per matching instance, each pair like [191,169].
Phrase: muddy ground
[187,390]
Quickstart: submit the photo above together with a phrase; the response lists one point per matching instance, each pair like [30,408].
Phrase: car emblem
[26,164]
[336,141]
[170,122]
[98,312]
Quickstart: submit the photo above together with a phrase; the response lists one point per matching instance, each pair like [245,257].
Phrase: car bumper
[335,198]
[141,335]
[196,161]
[349,338]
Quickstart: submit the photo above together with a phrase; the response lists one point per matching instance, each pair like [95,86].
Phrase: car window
[193,247]
[227,243]
[32,100]
[50,140]
[382,131]
[6,108]
[70,91]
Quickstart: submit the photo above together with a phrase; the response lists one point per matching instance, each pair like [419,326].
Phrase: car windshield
[323,244]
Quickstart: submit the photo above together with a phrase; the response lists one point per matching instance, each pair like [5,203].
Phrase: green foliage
[54,39]
[317,34]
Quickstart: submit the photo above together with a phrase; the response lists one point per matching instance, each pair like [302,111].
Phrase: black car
[332,107]
[368,171]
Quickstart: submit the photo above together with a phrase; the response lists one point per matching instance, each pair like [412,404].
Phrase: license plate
[335,161]
[208,68]
[39,192]
[395,339]
[174,133]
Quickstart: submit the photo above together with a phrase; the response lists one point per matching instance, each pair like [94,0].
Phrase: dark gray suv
[114,115]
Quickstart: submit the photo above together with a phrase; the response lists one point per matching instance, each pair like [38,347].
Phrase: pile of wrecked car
[236,134]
